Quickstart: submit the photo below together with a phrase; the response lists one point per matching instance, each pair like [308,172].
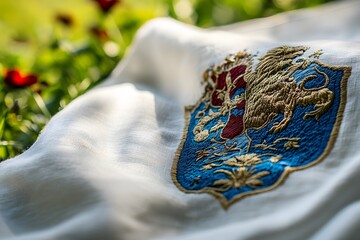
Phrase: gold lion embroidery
[256,123]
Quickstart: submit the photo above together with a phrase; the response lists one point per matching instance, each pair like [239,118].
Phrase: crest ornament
[256,124]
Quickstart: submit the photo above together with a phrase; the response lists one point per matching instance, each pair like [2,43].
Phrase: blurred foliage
[72,45]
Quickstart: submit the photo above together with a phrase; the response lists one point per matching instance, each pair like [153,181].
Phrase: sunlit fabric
[102,167]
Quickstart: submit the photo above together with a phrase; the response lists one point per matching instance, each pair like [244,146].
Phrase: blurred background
[53,51]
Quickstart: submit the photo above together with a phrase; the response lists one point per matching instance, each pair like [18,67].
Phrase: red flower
[14,79]
[99,33]
[106,5]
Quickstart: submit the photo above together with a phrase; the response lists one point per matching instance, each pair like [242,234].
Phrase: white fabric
[101,169]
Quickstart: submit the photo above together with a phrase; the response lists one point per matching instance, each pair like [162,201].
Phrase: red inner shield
[235,124]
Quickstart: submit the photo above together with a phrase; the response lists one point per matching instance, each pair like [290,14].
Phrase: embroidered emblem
[252,127]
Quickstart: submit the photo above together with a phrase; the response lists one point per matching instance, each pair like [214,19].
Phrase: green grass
[69,60]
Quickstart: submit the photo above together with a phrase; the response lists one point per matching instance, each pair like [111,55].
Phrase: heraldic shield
[259,119]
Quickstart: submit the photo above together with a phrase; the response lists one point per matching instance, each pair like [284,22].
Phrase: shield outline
[331,141]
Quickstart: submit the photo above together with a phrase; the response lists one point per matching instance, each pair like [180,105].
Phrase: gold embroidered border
[226,204]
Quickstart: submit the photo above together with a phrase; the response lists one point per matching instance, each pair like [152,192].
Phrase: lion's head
[278,58]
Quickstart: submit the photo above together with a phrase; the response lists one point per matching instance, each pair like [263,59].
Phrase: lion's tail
[313,76]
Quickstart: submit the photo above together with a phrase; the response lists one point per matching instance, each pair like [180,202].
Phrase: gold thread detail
[292,143]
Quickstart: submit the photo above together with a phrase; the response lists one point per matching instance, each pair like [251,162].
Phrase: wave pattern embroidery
[254,125]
